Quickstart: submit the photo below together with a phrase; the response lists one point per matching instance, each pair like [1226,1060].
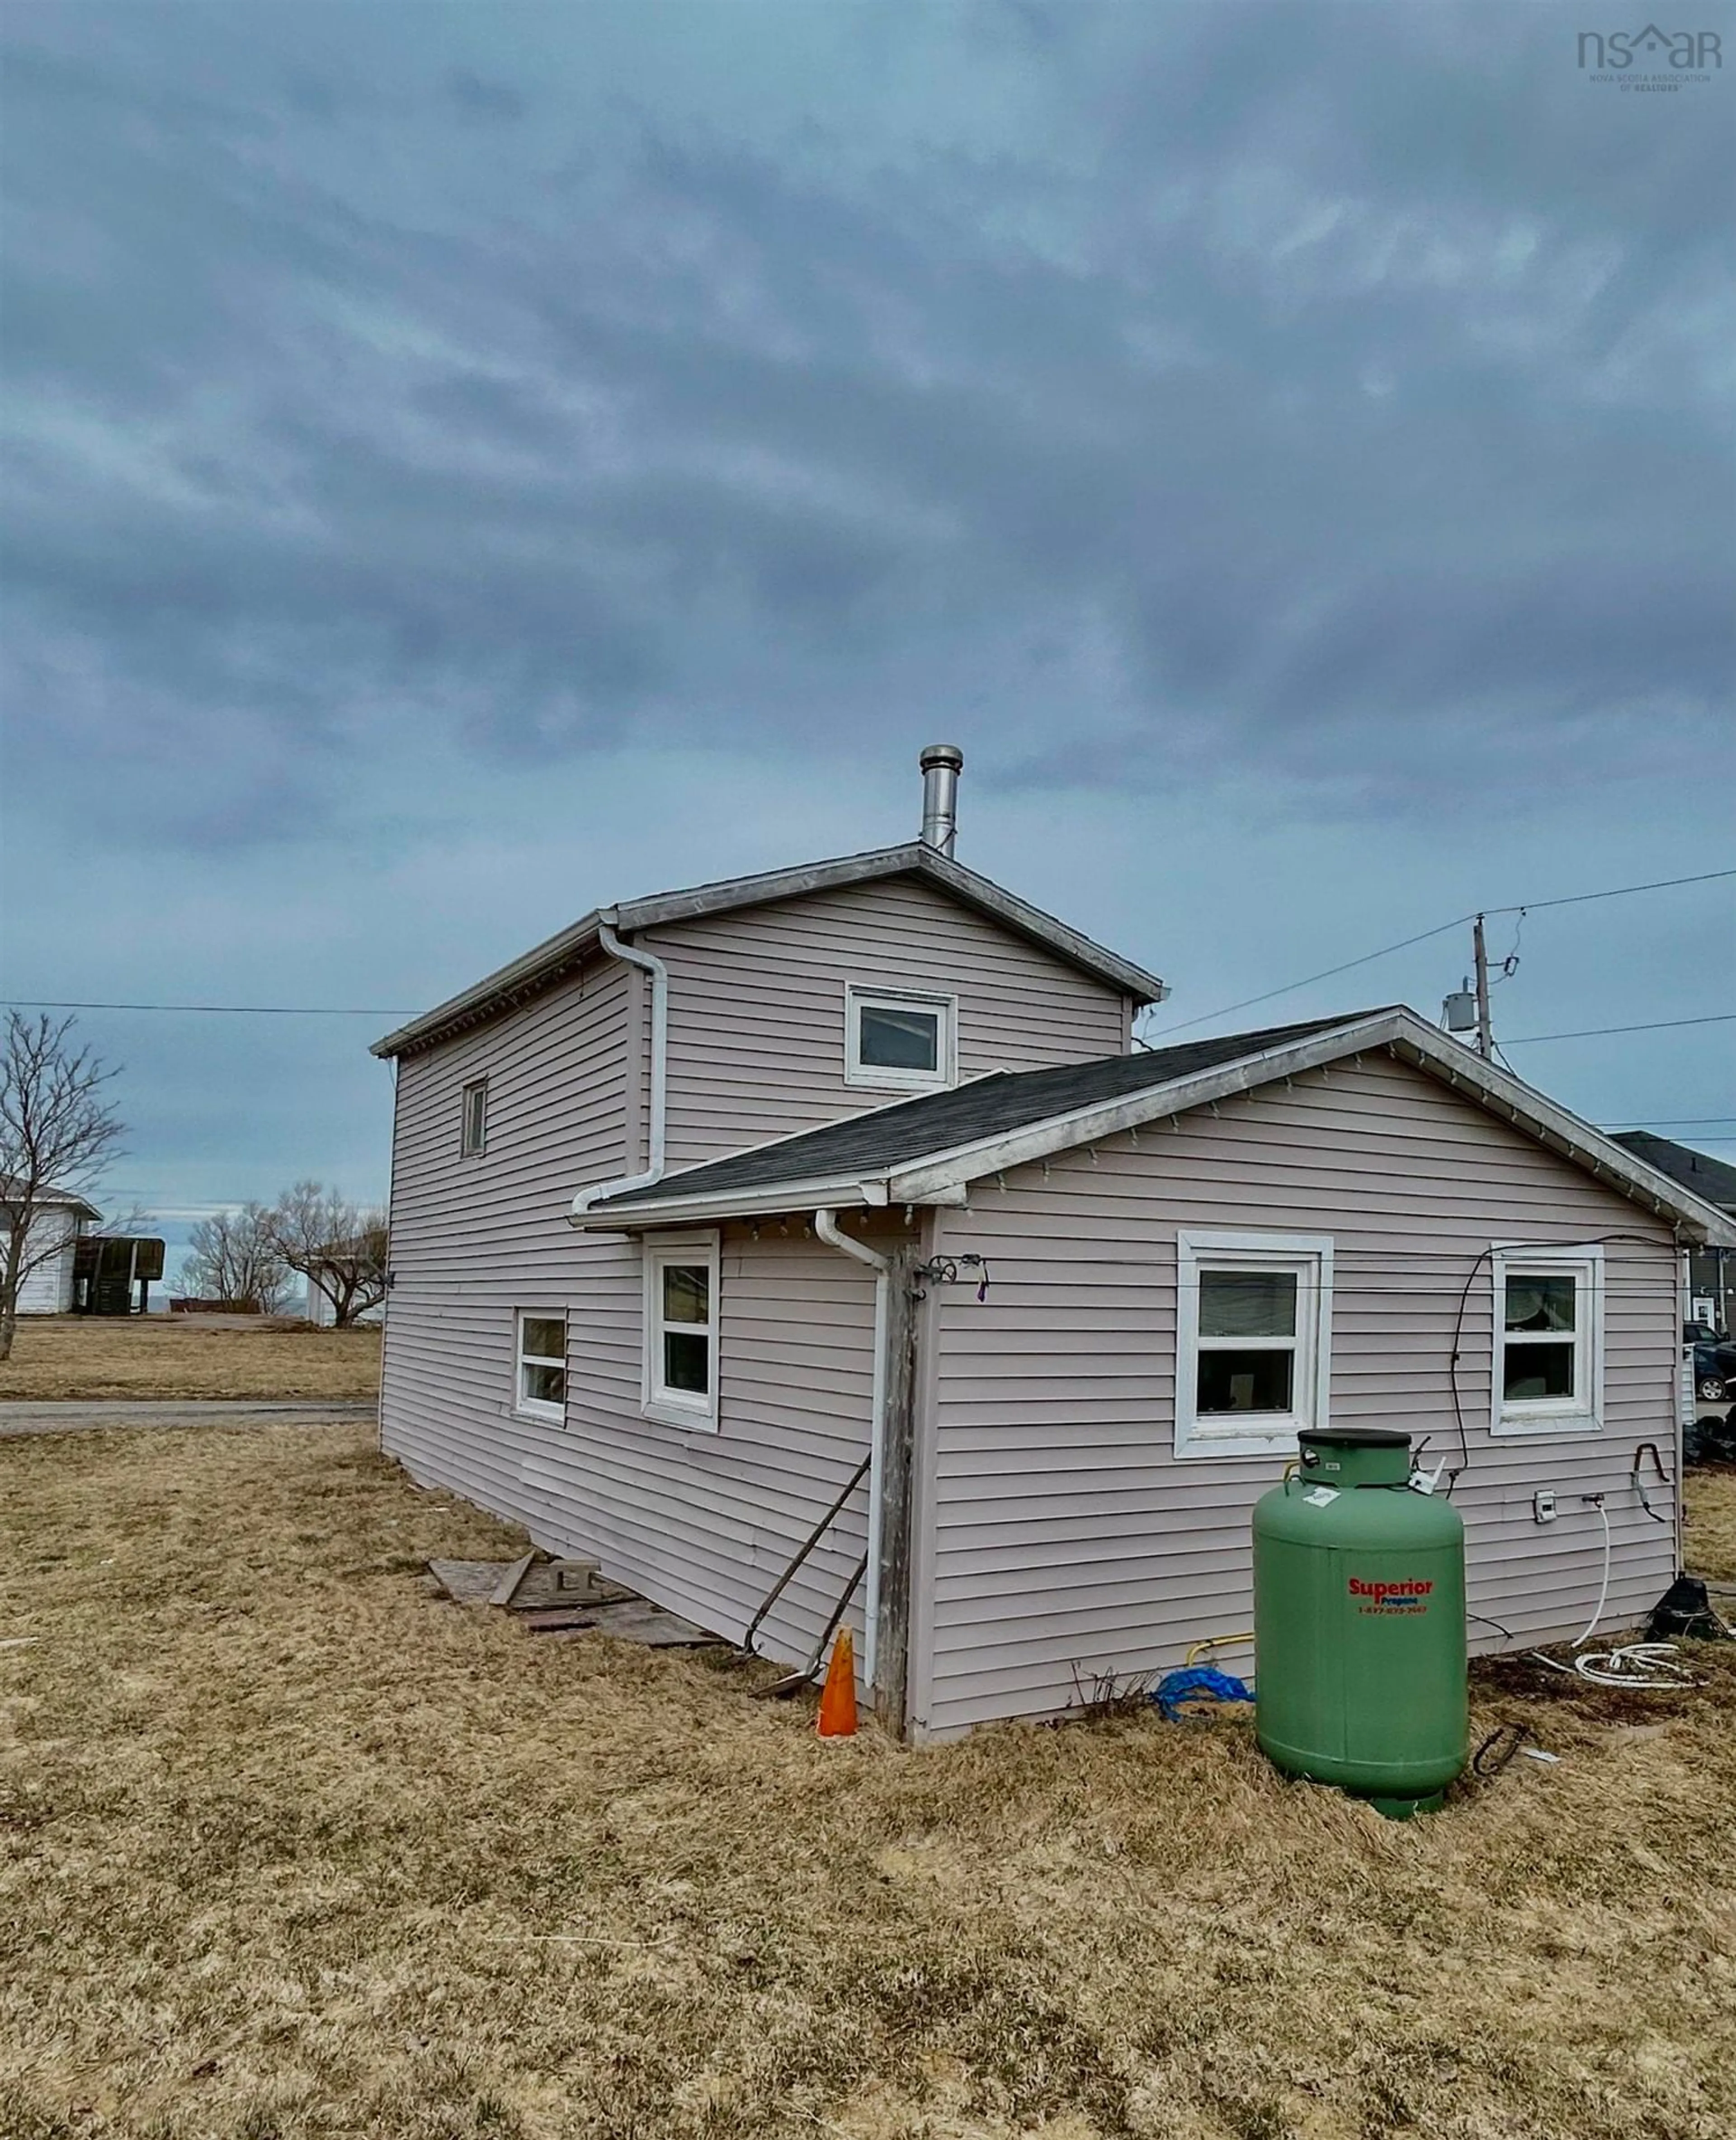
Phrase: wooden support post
[898,1480]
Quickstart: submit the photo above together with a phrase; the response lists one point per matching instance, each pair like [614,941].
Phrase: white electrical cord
[1634,1664]
[1603,1588]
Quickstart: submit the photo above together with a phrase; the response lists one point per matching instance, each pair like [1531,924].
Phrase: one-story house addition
[719,1198]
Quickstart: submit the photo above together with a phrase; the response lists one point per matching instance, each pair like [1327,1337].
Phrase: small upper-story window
[900,1040]
[1548,1365]
[473,1136]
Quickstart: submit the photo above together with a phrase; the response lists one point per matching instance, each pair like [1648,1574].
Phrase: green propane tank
[1359,1623]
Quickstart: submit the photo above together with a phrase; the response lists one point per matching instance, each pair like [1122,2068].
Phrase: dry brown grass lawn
[1709,1539]
[290,1849]
[160,1355]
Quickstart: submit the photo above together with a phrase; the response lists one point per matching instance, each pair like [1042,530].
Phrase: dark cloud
[1320,362]
[473,96]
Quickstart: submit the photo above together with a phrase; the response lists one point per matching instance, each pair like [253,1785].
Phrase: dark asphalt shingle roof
[1713,1179]
[994,1105]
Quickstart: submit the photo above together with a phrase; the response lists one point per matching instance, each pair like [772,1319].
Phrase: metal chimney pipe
[941,765]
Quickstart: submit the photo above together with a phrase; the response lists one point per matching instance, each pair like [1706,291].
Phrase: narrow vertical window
[680,1376]
[473,1135]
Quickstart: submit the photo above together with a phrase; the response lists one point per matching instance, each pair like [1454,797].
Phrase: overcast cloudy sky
[469,462]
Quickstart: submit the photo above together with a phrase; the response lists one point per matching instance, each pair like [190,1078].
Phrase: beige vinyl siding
[756,1038]
[1062,1530]
[704,1522]
[475,1237]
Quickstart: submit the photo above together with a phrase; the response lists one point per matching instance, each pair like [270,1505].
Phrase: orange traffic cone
[837,1698]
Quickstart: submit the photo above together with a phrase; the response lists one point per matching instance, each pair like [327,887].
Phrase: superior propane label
[1387,1598]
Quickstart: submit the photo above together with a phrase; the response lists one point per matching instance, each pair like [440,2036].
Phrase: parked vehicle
[1715,1364]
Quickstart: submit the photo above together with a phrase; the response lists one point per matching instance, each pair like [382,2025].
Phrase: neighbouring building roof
[1712,1179]
[928,1150]
[561,955]
[68,1199]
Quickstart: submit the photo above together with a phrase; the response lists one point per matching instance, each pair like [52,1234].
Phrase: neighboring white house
[59,1218]
[722,1197]
[318,1307]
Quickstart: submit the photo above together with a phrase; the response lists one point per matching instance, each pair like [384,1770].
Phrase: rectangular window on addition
[680,1375]
[898,1041]
[542,1371]
[1252,1355]
[1548,1353]
[473,1135]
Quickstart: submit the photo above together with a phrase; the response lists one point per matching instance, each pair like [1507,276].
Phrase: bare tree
[130,1219]
[56,1131]
[234,1256]
[339,1248]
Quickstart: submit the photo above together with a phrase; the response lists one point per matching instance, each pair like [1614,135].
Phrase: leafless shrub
[56,1131]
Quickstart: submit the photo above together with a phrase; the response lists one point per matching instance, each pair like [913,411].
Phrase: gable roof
[910,1130]
[551,961]
[928,1151]
[1712,1179]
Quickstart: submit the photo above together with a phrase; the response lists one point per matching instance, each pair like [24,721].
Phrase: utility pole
[1485,1032]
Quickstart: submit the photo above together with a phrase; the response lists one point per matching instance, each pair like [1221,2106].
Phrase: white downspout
[826,1229]
[631,956]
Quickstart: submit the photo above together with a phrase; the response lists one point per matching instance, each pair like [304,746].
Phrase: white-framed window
[900,1040]
[1548,1350]
[1254,1341]
[680,1380]
[474,1120]
[540,1372]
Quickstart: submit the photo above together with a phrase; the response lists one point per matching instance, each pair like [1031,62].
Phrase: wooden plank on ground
[505,1589]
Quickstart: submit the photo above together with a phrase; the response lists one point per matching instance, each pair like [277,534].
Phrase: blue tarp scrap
[1175,1693]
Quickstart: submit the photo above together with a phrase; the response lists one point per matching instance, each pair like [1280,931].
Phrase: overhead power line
[1614,892]
[1597,1032]
[233,1010]
[1290,987]
[1459,921]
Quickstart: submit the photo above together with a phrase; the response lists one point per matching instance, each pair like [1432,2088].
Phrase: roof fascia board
[497,991]
[1497,1090]
[1018,914]
[915,858]
[731,894]
[1522,1105]
[868,1192]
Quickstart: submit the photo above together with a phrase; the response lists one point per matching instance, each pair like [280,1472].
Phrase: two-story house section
[846,1185]
[645,1039]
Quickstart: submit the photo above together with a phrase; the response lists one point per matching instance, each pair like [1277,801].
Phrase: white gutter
[826,1227]
[631,956]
